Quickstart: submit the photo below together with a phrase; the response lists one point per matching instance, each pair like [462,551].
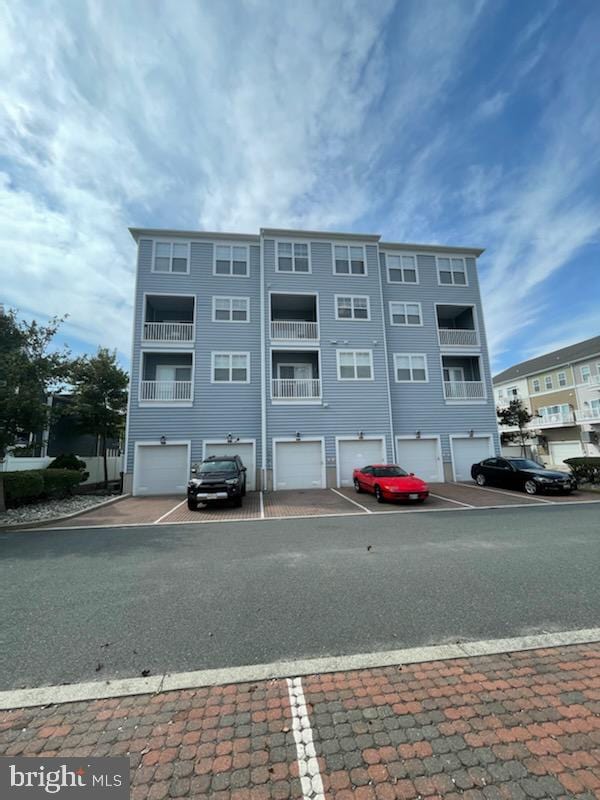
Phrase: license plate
[212,496]
[413,496]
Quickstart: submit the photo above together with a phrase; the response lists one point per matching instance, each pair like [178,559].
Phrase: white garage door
[358,453]
[298,465]
[245,450]
[420,456]
[467,452]
[161,469]
[561,450]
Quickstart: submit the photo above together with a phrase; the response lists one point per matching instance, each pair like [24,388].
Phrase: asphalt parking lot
[310,503]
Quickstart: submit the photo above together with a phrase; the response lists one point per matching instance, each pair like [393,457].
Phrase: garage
[243,449]
[466,451]
[356,452]
[421,456]
[298,464]
[561,450]
[161,468]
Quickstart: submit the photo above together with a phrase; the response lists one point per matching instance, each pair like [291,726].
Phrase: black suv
[217,478]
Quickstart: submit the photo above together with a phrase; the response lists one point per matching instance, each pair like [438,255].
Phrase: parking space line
[350,500]
[261,503]
[450,500]
[169,512]
[508,494]
[308,766]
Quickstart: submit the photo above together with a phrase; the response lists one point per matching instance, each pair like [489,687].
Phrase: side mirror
[411,474]
[244,469]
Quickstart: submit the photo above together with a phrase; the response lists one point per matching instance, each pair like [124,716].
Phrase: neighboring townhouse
[562,390]
[308,353]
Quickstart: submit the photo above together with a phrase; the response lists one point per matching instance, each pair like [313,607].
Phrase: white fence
[93,464]
[294,330]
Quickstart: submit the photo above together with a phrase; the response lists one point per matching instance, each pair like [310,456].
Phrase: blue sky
[451,122]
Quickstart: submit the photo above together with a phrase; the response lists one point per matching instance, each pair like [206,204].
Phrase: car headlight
[544,480]
[232,481]
[195,482]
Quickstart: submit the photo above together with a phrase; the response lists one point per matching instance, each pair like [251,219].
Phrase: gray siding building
[308,354]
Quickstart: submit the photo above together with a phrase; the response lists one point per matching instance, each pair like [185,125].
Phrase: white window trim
[215,353]
[230,297]
[583,375]
[166,403]
[292,271]
[406,324]
[230,274]
[352,297]
[170,242]
[354,350]
[400,253]
[411,355]
[558,379]
[454,285]
[539,385]
[546,379]
[350,274]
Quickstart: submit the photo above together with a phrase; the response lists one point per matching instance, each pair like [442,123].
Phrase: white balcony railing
[168,331]
[292,389]
[166,391]
[589,414]
[458,337]
[464,390]
[546,420]
[294,330]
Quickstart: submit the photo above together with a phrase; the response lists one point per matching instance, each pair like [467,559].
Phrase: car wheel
[531,487]
[192,504]
[357,486]
[379,495]
[480,479]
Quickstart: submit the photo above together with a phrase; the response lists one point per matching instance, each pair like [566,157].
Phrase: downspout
[386,360]
[263,377]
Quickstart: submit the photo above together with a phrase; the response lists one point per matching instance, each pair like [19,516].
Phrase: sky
[460,122]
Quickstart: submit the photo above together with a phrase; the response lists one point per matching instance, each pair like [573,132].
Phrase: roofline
[138,233]
[549,368]
[431,248]
[358,237]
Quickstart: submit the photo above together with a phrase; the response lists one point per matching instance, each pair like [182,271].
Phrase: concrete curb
[34,526]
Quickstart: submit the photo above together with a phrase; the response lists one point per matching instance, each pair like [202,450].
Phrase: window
[231,309]
[586,374]
[401,269]
[562,378]
[231,368]
[405,314]
[170,257]
[292,257]
[452,271]
[535,385]
[500,392]
[351,307]
[410,368]
[349,260]
[560,410]
[231,260]
[355,365]
[514,392]
[548,382]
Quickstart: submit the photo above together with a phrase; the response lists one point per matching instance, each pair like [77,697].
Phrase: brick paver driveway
[519,725]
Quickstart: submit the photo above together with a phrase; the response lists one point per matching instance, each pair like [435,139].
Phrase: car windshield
[389,472]
[525,463]
[217,466]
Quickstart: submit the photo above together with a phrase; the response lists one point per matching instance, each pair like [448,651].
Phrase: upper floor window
[500,392]
[548,383]
[349,260]
[351,307]
[231,309]
[452,271]
[292,257]
[535,385]
[586,374]
[562,378]
[410,368]
[547,411]
[231,260]
[231,367]
[401,268]
[405,314]
[355,365]
[171,257]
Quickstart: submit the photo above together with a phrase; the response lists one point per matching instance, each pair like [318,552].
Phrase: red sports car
[390,482]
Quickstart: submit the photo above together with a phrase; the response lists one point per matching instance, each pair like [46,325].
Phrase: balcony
[464,390]
[455,337]
[168,320]
[296,389]
[166,377]
[295,376]
[169,332]
[294,331]
[165,391]
[456,326]
[554,420]
[588,415]
[462,378]
[294,318]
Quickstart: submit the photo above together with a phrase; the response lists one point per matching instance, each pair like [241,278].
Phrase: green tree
[516,415]
[30,369]
[99,397]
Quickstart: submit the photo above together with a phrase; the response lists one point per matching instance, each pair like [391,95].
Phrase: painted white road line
[308,766]
[449,499]
[262,505]
[160,519]
[168,682]
[508,494]
[350,500]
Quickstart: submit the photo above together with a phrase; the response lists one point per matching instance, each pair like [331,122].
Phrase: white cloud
[493,105]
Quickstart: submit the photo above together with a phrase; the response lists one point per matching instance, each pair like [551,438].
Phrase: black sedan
[523,474]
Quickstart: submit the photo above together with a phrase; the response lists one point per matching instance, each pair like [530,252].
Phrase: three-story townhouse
[308,353]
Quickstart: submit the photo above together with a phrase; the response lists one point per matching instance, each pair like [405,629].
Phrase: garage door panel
[466,452]
[358,453]
[298,465]
[422,457]
[245,450]
[161,469]
[561,450]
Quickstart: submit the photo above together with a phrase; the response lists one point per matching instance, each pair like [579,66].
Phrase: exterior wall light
[163,440]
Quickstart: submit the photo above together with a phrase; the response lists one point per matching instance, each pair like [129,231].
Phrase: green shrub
[67,461]
[60,482]
[22,486]
[586,469]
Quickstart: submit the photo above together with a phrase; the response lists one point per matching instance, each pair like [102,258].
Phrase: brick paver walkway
[520,725]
